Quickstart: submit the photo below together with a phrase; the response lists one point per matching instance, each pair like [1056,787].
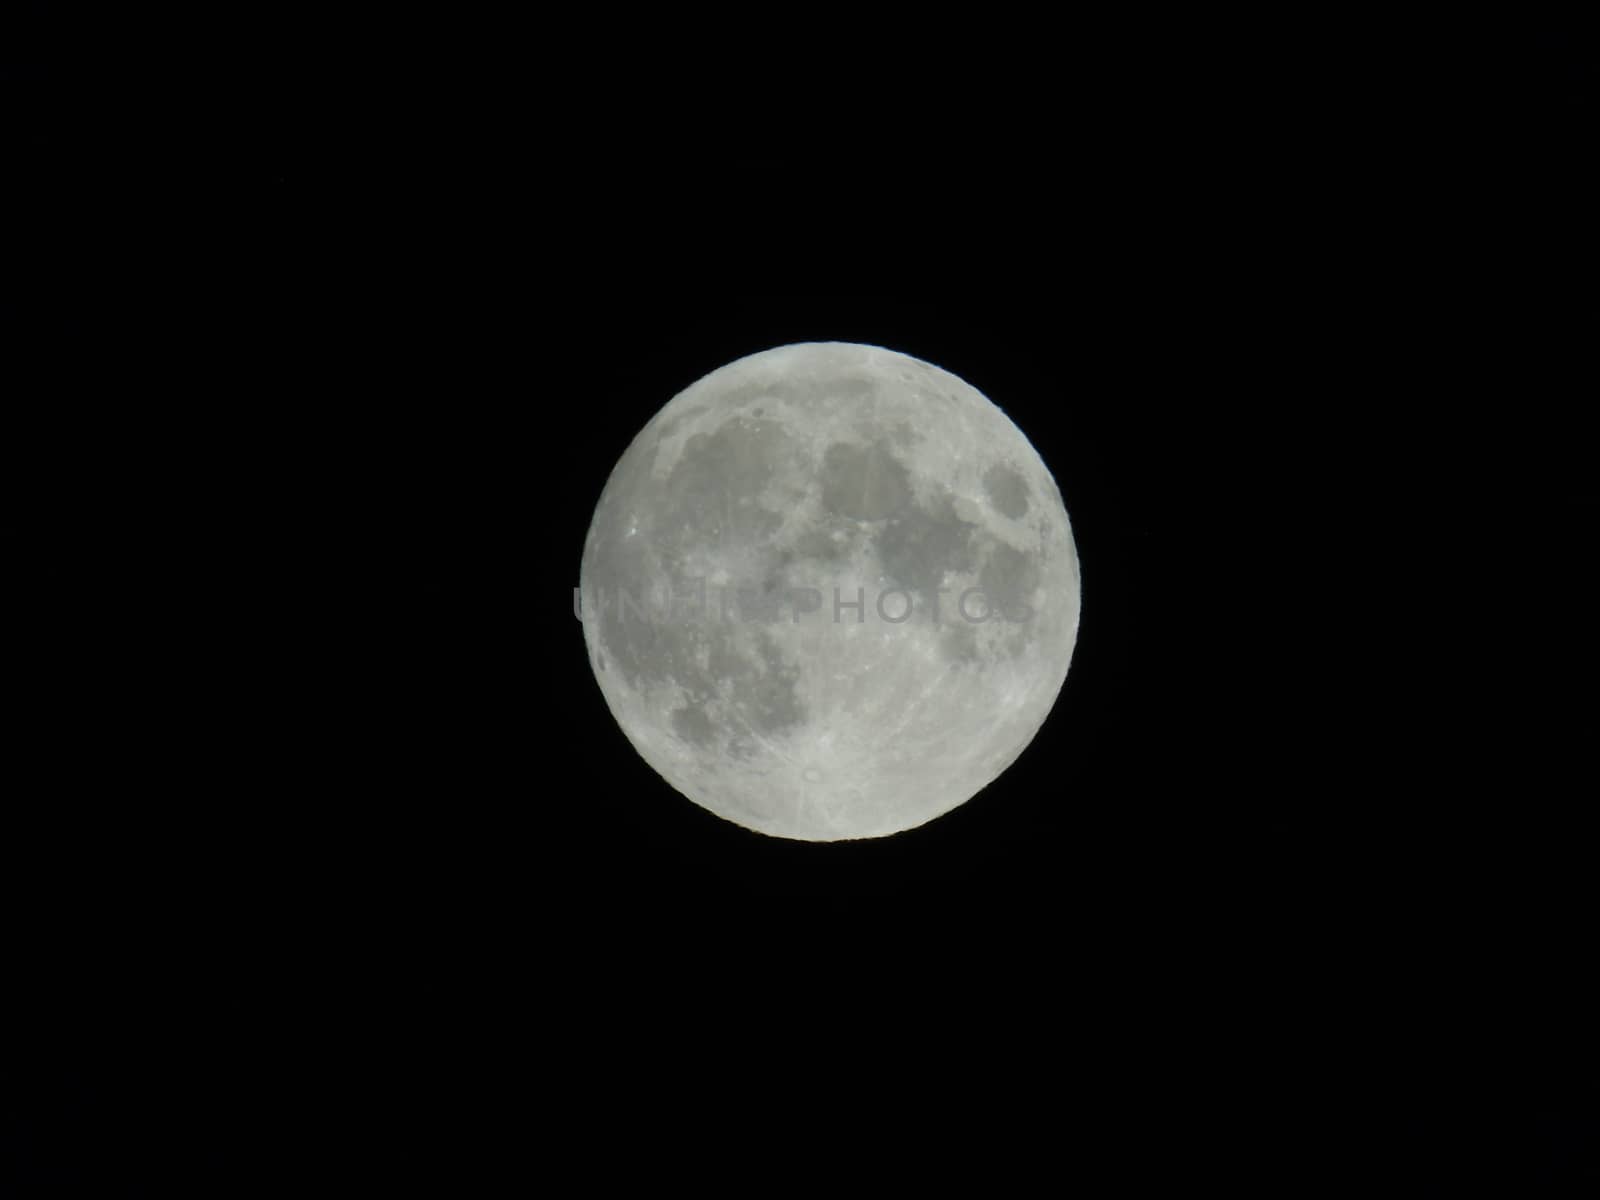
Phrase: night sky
[322,846]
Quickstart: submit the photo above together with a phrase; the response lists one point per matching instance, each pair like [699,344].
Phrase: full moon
[830,591]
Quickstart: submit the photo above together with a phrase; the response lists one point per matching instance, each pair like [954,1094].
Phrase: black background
[327,846]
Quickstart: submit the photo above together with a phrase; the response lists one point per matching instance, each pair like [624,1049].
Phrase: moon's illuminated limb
[729,552]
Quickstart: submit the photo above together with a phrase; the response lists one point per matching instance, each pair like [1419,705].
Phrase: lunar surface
[830,591]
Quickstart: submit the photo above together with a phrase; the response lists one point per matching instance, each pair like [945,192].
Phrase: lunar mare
[830,591]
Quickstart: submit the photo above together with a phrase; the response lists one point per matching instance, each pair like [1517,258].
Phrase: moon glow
[830,591]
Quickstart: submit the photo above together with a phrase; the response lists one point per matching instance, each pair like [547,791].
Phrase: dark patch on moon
[1008,579]
[761,688]
[692,725]
[765,690]
[865,482]
[761,605]
[818,544]
[642,648]
[920,545]
[767,694]
[717,482]
[1007,490]
[902,433]
[849,388]
[959,644]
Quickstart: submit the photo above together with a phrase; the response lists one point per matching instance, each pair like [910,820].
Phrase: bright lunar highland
[830,591]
